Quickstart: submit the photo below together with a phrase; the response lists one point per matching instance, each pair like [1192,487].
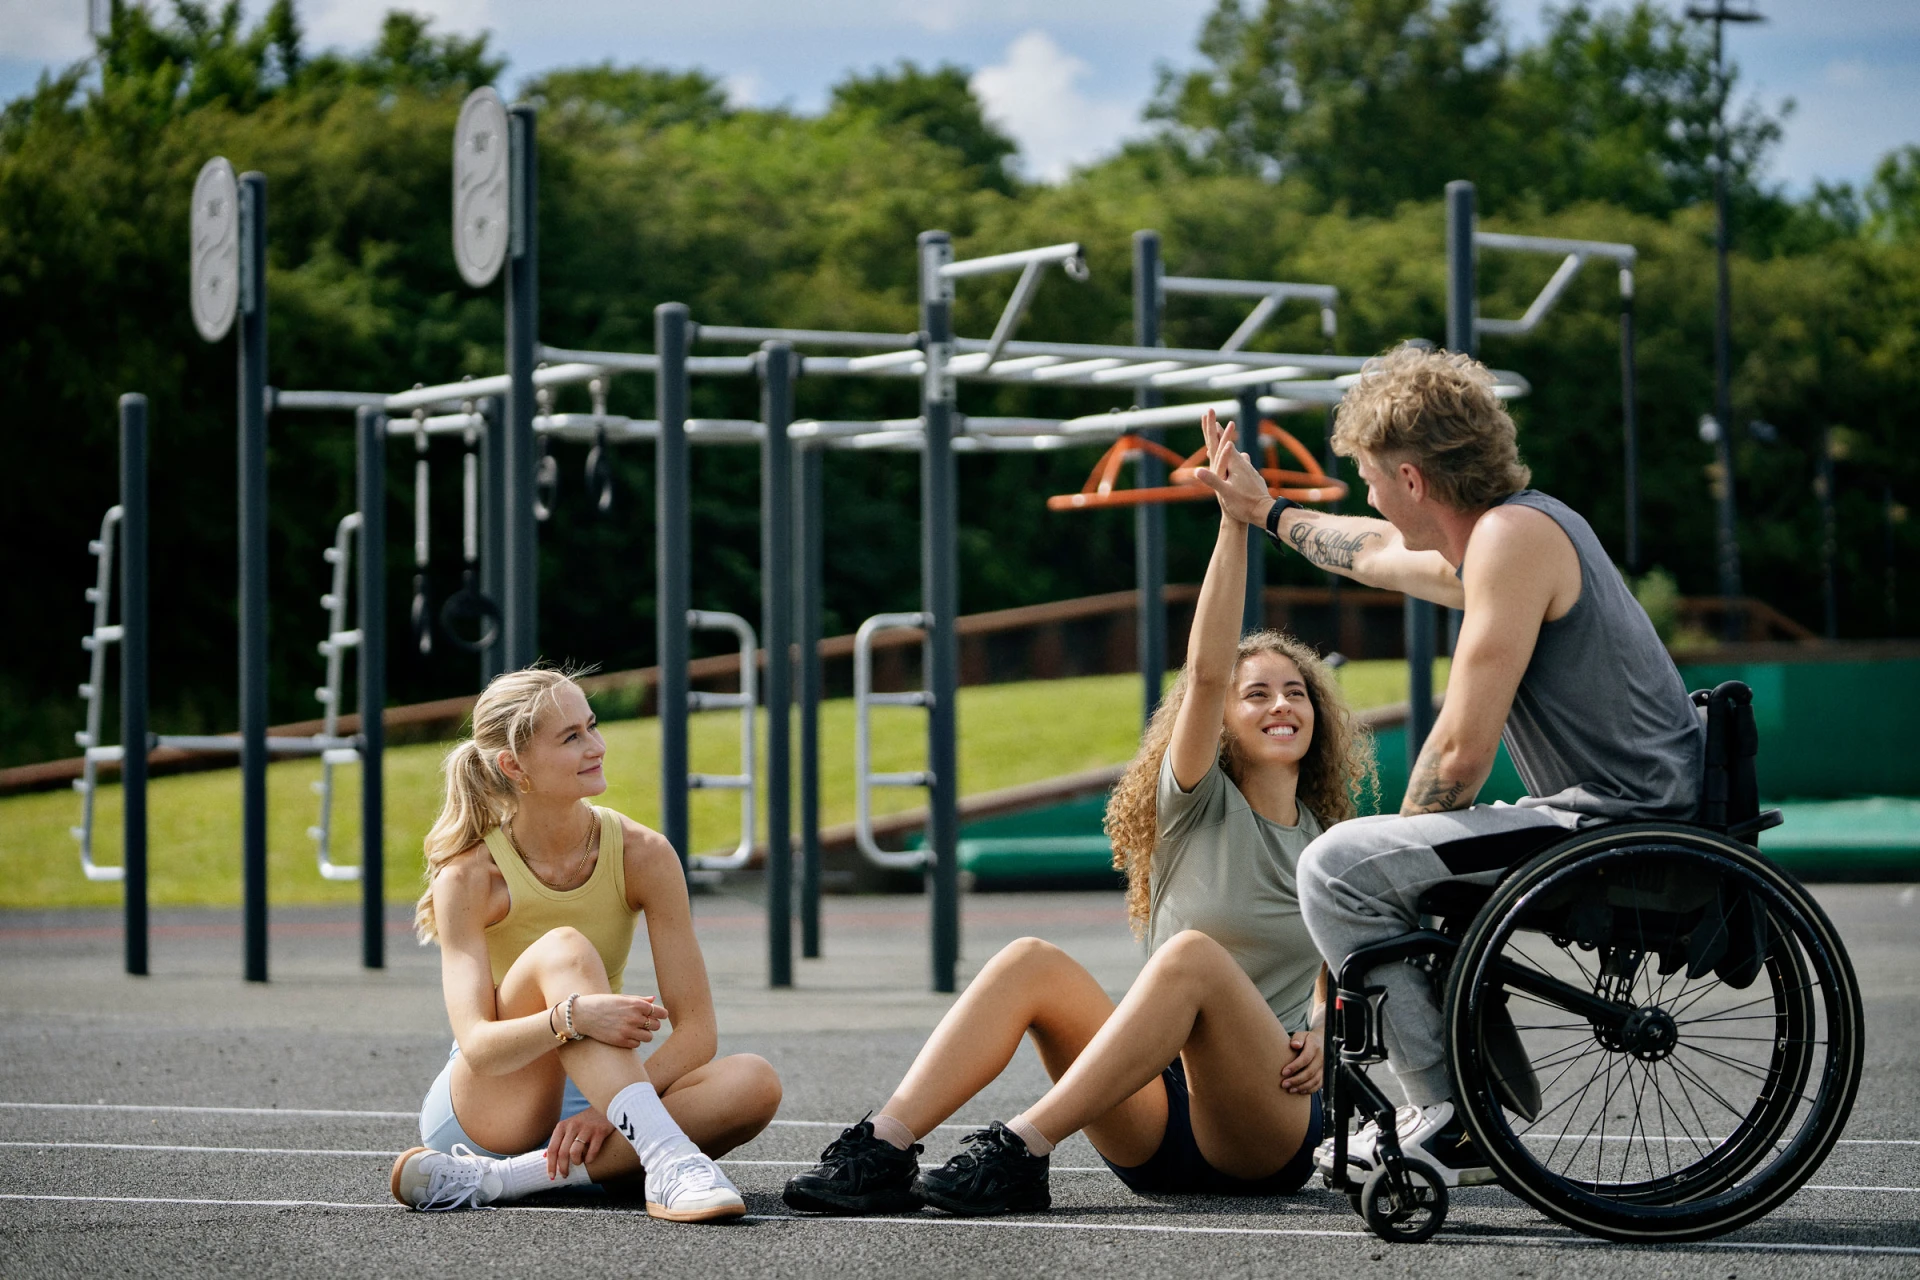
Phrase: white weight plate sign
[480,175]
[215,267]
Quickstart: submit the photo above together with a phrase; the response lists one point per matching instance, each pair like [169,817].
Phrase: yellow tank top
[597,908]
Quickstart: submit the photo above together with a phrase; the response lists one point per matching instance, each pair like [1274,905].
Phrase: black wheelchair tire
[1712,1205]
[1389,1220]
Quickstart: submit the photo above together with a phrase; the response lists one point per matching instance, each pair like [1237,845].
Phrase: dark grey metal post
[672,529]
[1149,518]
[372,469]
[1630,418]
[493,523]
[940,596]
[776,621]
[253,569]
[520,602]
[1829,537]
[811,528]
[1418,623]
[133,673]
[1732,626]
[1253,613]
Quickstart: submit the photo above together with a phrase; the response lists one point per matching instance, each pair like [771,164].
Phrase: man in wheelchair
[1554,655]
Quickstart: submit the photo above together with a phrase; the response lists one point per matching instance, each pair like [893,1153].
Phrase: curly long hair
[1337,773]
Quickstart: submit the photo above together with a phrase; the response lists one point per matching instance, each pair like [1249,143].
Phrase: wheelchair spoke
[1576,1099]
[1721,1016]
[1660,1100]
[1700,1082]
[1535,1122]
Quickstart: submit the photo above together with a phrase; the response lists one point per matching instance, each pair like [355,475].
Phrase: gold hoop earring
[526,786]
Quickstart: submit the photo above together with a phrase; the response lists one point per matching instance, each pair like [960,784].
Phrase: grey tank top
[1601,724]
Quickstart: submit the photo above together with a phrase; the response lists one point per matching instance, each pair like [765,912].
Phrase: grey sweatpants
[1358,884]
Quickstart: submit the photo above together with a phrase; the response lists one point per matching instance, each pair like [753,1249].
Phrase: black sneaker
[858,1173]
[995,1174]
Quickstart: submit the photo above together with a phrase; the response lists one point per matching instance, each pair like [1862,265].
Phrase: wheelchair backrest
[1729,794]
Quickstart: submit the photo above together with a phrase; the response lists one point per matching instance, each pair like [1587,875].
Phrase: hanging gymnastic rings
[600,472]
[468,605]
[422,614]
[546,483]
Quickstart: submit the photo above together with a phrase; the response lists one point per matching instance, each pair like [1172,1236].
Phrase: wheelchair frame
[1401,1199]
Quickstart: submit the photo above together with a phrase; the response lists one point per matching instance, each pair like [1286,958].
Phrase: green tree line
[1308,140]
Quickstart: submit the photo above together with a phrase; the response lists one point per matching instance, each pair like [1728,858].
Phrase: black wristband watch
[1273,516]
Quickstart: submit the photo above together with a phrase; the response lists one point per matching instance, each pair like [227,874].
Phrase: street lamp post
[1719,15]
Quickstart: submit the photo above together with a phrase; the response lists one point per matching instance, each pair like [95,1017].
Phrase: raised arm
[1358,547]
[1516,567]
[1215,635]
[657,886]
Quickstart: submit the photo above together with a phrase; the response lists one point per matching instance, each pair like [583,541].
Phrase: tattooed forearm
[1428,792]
[1328,547]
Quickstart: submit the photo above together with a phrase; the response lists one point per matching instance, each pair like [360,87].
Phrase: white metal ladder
[743,781]
[334,649]
[94,691]
[864,778]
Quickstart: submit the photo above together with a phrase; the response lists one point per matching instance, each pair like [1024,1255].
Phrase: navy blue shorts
[1178,1168]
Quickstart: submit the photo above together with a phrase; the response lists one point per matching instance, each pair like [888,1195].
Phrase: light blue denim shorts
[440,1128]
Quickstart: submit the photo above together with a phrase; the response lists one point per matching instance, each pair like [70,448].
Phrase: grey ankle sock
[1036,1141]
[891,1131]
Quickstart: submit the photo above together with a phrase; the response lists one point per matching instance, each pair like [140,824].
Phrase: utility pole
[1719,15]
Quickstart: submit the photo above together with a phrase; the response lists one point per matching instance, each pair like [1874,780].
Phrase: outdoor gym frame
[506,416]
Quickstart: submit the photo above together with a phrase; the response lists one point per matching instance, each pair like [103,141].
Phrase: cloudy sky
[1066,77]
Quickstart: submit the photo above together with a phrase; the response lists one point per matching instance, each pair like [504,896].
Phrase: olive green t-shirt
[1221,868]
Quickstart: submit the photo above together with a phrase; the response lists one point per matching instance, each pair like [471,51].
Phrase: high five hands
[1231,474]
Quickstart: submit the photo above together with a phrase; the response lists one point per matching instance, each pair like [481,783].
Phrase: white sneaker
[435,1180]
[1434,1136]
[688,1187]
[1362,1145]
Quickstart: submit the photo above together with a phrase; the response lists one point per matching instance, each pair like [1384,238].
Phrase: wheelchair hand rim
[1764,1182]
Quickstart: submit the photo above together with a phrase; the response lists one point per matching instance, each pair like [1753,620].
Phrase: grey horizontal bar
[323,400]
[1009,261]
[1249,359]
[819,337]
[1622,253]
[646,362]
[1248,288]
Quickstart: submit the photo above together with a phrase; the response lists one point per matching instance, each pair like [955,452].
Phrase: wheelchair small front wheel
[1403,1201]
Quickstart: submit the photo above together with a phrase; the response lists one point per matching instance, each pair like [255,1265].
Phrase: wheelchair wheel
[1690,1028]
[1409,1214]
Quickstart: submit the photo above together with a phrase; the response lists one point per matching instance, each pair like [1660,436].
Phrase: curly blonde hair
[1336,775]
[1437,410]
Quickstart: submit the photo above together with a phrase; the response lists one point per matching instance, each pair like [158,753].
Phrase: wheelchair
[1653,1033]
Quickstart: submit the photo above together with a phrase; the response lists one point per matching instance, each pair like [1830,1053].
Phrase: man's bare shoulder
[1522,551]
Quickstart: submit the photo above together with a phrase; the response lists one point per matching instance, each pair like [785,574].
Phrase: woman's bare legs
[1030,988]
[1194,1000]
[718,1105]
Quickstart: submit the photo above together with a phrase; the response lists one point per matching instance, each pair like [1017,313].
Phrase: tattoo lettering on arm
[1428,792]
[1328,548]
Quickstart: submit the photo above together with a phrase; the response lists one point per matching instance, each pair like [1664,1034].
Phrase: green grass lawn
[1009,734]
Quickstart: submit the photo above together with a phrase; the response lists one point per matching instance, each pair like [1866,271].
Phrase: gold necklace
[587,851]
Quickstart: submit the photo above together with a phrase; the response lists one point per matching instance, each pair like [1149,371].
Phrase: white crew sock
[1037,1144]
[637,1113]
[889,1130]
[523,1175]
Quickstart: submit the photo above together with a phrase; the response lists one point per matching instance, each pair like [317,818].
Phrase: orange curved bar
[1311,484]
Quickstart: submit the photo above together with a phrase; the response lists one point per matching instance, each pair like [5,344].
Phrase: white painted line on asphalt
[223,1151]
[414,1115]
[217,1111]
[1456,1238]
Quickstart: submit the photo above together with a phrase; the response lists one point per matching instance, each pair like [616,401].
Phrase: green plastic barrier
[1835,743]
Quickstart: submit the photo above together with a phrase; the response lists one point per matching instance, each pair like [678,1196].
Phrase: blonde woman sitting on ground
[1204,1079]
[532,893]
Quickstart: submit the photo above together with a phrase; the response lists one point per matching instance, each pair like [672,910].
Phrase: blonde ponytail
[479,796]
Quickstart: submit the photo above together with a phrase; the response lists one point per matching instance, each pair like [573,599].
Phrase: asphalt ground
[190,1121]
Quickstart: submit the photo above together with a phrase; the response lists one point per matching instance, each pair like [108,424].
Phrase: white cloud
[745,88]
[1034,94]
[353,24]
[55,33]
